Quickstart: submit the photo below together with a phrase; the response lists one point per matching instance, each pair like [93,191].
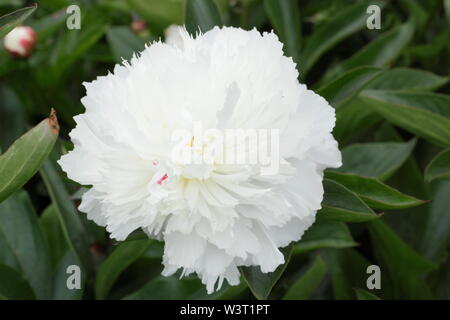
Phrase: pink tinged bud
[138,25]
[20,41]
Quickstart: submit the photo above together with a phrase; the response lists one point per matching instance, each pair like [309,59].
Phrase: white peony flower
[20,41]
[173,35]
[213,217]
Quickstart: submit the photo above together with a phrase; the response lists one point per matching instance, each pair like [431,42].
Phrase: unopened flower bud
[20,41]
[138,25]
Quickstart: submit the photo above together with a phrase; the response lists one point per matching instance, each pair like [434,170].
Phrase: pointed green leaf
[13,286]
[124,255]
[408,79]
[261,284]
[26,155]
[374,193]
[424,114]
[341,204]
[22,245]
[439,167]
[284,17]
[201,15]
[378,160]
[325,234]
[11,20]
[343,89]
[307,283]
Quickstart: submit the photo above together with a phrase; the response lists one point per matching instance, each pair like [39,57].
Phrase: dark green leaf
[201,15]
[340,26]
[439,167]
[341,204]
[73,228]
[261,284]
[436,237]
[11,20]
[285,19]
[169,288]
[424,114]
[325,234]
[26,155]
[124,255]
[375,194]
[123,43]
[344,88]
[348,270]
[402,264]
[51,228]
[365,295]
[305,286]
[408,79]
[379,160]
[380,52]
[22,245]
[13,285]
[60,277]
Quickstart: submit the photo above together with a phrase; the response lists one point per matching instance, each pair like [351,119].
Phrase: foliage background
[390,90]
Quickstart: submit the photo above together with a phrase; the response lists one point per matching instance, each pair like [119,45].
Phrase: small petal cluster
[20,41]
[213,218]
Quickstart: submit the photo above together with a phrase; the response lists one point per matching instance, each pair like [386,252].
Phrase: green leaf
[124,255]
[379,52]
[201,15]
[340,26]
[123,43]
[408,79]
[51,228]
[169,288]
[439,167]
[159,14]
[325,234]
[26,155]
[11,20]
[365,295]
[402,264]
[13,285]
[378,160]
[60,276]
[341,204]
[22,245]
[261,284]
[353,119]
[436,235]
[12,120]
[74,230]
[341,90]
[305,286]
[348,270]
[285,19]
[374,193]
[424,114]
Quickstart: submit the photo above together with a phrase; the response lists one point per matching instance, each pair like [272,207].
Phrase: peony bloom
[20,41]
[173,35]
[213,216]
